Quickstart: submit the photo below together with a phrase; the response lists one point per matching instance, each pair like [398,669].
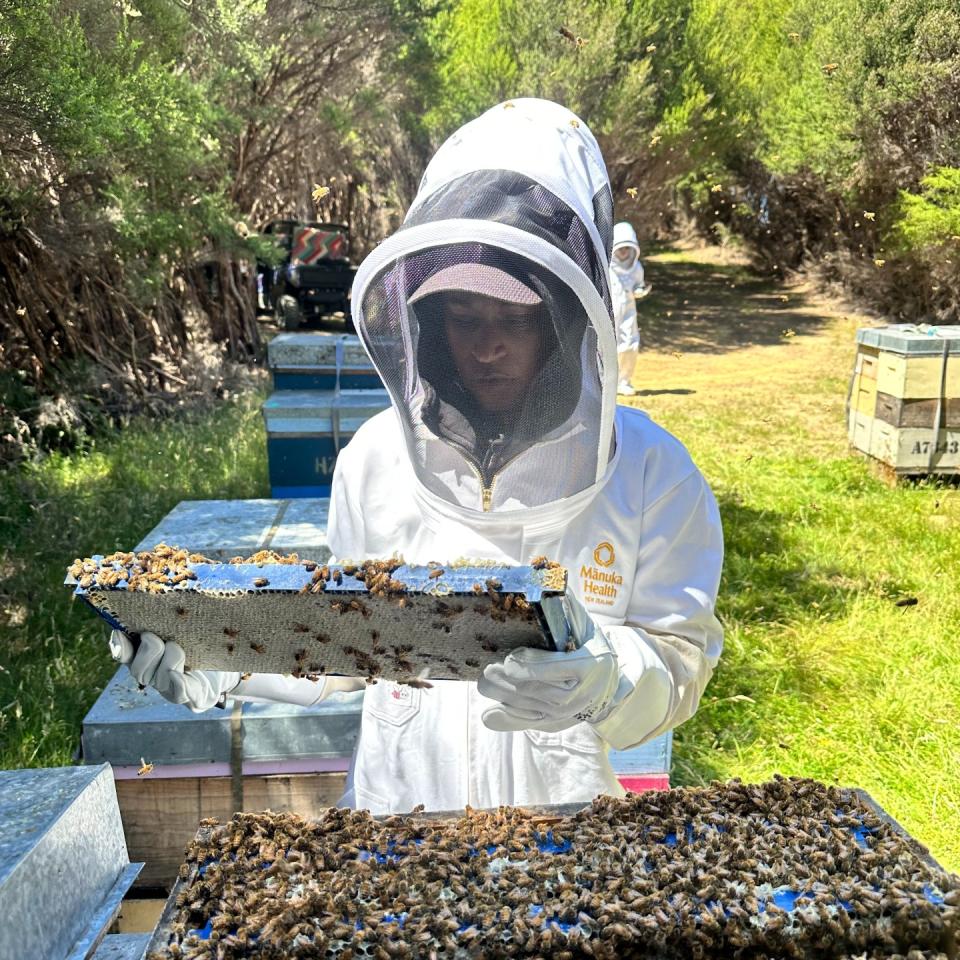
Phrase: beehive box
[223,529]
[904,402]
[306,429]
[320,361]
[249,756]
[787,868]
[63,862]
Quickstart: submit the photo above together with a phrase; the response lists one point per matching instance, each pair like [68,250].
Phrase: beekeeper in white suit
[488,316]
[626,284]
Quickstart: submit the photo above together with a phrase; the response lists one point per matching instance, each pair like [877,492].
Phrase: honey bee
[436,573]
[300,628]
[145,768]
[258,647]
[261,582]
[230,648]
[230,632]
[181,612]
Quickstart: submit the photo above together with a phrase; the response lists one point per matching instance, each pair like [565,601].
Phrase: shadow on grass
[716,308]
[770,597]
[677,391]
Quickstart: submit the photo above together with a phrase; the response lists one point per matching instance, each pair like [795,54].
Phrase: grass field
[823,674]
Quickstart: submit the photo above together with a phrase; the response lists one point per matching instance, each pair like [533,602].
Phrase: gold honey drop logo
[601,585]
[604,556]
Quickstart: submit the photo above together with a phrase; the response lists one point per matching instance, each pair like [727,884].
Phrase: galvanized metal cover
[325,412]
[62,852]
[126,724]
[910,338]
[291,350]
[123,946]
[301,351]
[223,529]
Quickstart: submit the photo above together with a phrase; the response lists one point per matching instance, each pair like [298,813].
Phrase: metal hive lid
[910,338]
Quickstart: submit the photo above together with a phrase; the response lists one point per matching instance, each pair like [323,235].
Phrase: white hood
[519,193]
[625,236]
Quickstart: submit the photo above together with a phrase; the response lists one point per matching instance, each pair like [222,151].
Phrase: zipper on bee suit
[486,490]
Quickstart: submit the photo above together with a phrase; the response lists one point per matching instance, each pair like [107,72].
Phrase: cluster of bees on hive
[157,570]
[691,872]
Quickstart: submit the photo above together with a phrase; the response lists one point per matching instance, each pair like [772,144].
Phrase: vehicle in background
[315,276]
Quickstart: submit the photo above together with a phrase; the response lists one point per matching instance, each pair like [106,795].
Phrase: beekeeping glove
[159,664]
[544,690]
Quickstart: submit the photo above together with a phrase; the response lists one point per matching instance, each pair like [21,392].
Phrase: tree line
[143,144]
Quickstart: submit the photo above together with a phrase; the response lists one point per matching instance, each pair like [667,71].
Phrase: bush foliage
[141,138]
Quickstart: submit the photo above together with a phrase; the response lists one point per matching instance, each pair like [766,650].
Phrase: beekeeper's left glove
[159,664]
[544,690]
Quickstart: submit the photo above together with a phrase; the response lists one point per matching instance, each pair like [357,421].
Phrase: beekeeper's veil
[625,236]
[514,213]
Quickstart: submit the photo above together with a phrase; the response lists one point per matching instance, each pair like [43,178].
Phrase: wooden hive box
[904,399]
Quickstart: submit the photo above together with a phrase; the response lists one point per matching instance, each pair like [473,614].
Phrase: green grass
[822,674]
[53,658]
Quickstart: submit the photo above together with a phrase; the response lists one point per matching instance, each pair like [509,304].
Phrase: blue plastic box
[306,429]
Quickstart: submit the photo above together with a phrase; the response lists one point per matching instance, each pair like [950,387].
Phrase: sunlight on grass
[53,661]
[823,675]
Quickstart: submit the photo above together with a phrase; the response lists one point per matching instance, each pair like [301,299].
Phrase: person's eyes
[523,323]
[464,319]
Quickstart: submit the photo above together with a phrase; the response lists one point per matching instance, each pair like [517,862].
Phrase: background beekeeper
[626,283]
[488,316]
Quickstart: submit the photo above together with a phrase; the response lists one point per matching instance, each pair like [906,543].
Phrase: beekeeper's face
[624,254]
[496,347]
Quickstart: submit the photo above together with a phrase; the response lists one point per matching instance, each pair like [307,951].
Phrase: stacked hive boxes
[326,388]
[904,405]
[249,756]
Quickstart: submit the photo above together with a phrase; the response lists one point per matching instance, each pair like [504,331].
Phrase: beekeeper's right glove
[160,664]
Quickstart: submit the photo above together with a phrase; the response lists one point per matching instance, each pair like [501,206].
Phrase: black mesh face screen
[492,357]
[513,199]
[603,217]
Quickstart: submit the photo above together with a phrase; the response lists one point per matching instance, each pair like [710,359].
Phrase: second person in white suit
[626,283]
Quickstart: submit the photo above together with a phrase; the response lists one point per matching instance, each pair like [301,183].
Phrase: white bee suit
[522,191]
[515,207]
[625,280]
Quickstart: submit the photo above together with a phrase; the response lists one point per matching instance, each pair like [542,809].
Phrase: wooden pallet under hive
[790,868]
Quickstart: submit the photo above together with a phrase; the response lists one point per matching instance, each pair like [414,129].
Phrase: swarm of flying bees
[789,868]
